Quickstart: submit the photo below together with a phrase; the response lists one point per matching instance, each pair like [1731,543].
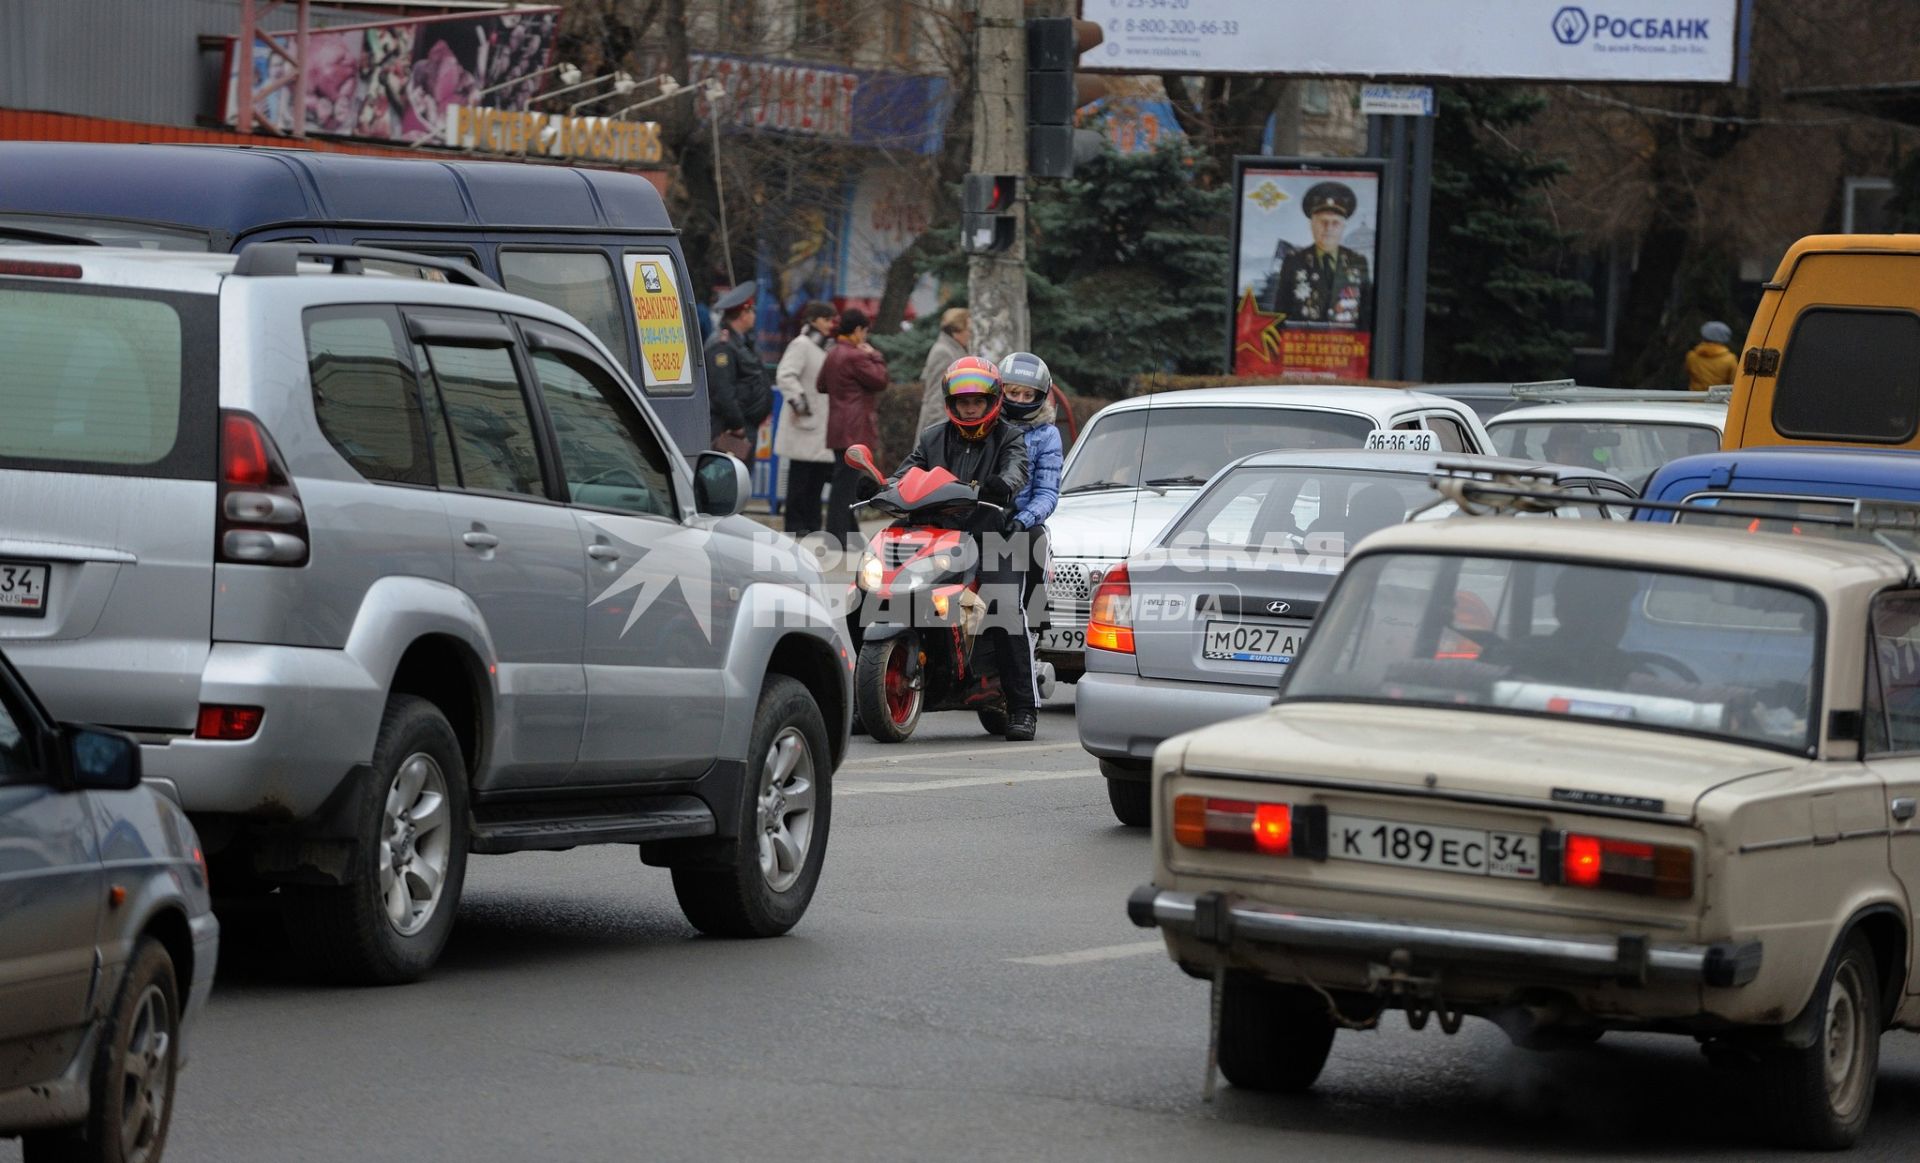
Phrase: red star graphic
[1256,339]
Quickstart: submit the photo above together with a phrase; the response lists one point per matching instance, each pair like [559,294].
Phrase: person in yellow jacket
[1711,362]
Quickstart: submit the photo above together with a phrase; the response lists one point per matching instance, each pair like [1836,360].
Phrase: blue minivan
[1791,481]
[597,244]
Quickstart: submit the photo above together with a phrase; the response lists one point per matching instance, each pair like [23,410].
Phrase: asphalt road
[966,986]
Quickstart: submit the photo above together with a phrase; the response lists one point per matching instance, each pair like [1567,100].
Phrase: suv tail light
[1248,826]
[1110,622]
[260,520]
[1581,861]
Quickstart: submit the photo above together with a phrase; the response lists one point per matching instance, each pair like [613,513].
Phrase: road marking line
[1104,953]
[890,787]
[881,762]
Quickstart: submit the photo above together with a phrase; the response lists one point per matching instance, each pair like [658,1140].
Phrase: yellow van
[1834,353]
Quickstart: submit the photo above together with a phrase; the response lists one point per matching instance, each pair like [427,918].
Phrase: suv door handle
[603,552]
[479,540]
[1903,808]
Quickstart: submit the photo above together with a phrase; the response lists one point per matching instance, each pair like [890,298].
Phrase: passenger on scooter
[1026,389]
[991,458]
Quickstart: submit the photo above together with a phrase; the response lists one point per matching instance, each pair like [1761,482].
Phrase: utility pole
[997,283]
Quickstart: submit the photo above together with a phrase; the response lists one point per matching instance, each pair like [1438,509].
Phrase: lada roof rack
[281,259]
[1568,392]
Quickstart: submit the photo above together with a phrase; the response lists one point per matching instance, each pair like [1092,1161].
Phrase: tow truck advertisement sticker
[662,323]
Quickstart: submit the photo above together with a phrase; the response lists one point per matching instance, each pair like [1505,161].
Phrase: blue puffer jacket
[1045,454]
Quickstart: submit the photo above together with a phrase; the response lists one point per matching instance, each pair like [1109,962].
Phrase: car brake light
[40,270]
[1662,870]
[1246,826]
[228,723]
[260,519]
[1110,622]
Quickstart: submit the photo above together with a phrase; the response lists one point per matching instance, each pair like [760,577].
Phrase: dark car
[107,939]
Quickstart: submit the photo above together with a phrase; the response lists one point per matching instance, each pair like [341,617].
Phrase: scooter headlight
[871,575]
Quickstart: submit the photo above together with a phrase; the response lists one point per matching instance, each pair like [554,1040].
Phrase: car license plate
[1509,855]
[1067,640]
[23,588]
[1252,642]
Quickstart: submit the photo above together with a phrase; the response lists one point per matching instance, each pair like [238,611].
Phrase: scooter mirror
[861,457]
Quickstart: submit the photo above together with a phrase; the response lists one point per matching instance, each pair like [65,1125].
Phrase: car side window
[364,394]
[1448,432]
[1893,683]
[608,454]
[493,434]
[16,753]
[579,282]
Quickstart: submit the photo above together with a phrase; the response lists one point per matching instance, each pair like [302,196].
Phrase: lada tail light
[1581,861]
[1248,826]
[1110,624]
[261,521]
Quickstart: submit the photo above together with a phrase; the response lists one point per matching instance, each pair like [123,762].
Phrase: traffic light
[1054,93]
[988,224]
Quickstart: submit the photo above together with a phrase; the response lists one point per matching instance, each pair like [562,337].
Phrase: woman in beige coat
[956,340]
[801,439]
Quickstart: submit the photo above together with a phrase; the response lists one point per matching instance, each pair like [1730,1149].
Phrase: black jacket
[996,465]
[739,394]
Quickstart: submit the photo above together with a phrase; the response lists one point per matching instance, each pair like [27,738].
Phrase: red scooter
[916,612]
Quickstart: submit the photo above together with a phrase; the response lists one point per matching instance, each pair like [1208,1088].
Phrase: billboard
[402,81]
[801,99]
[1607,40]
[1306,239]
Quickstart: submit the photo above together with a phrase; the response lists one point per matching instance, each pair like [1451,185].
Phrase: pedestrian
[1711,362]
[955,341]
[739,397]
[853,375]
[801,438]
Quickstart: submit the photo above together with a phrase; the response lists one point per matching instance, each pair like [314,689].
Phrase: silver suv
[381,571]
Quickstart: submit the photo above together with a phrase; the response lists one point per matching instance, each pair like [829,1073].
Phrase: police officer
[1325,282]
[738,394]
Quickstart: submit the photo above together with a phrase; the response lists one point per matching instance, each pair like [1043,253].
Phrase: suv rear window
[1850,375]
[118,381]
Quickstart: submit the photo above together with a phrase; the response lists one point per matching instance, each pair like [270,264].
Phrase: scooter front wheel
[888,703]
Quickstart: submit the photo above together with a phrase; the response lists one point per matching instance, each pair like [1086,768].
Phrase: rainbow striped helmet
[972,376]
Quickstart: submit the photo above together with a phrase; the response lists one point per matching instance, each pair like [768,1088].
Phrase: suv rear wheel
[390,922]
[759,883]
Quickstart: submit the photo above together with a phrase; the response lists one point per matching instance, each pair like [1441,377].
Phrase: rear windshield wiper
[1185,480]
[1107,486]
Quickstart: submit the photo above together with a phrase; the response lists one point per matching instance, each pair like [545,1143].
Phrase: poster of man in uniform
[1304,269]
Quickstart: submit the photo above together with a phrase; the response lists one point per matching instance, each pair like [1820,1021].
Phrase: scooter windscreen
[927,494]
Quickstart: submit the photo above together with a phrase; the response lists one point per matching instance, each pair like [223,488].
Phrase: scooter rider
[1026,390]
[990,457]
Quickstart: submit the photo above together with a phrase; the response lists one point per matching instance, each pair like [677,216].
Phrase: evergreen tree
[1127,273]
[1493,298]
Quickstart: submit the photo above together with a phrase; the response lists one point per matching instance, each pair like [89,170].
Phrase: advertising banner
[1305,234]
[1607,40]
[660,320]
[401,82]
[801,99]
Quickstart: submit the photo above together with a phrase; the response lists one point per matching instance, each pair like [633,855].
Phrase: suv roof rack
[1478,490]
[281,259]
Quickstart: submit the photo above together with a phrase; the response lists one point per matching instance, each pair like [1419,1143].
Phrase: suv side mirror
[100,760]
[721,484]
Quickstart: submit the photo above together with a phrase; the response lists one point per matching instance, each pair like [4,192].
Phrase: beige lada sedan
[1571,777]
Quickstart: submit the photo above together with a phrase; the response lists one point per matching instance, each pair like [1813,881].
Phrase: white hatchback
[1630,439]
[1140,461]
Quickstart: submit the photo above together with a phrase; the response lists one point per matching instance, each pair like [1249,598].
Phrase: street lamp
[668,87]
[619,77]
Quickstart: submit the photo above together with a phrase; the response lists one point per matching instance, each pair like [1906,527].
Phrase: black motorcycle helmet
[1027,370]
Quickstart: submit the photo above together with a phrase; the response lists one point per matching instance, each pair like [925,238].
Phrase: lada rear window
[1850,374]
[107,380]
[1163,447]
[1640,648]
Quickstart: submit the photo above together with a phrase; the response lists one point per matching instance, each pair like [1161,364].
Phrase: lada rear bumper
[1217,919]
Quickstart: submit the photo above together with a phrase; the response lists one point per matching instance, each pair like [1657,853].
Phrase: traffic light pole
[997,283]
